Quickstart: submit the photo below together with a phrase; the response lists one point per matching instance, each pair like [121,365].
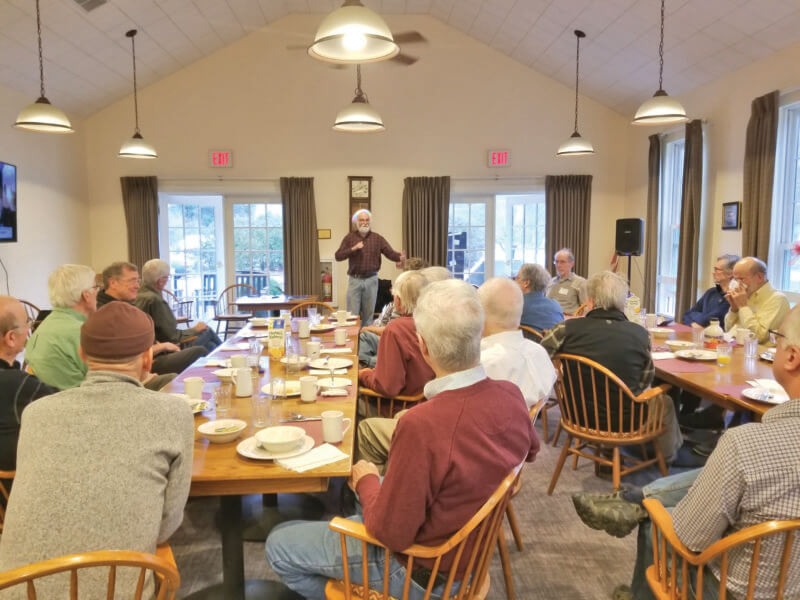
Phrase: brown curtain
[300,248]
[426,201]
[568,203]
[651,231]
[140,201]
[691,201]
[759,171]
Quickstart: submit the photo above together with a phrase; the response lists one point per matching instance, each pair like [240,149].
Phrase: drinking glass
[750,345]
[256,347]
[222,398]
[312,315]
[698,336]
[254,364]
[723,354]
[260,409]
[277,387]
[642,317]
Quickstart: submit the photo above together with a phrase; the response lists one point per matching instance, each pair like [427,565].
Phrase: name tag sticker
[563,291]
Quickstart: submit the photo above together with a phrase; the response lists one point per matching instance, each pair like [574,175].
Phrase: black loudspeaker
[630,237]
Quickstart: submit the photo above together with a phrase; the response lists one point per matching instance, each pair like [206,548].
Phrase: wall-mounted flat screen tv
[8,202]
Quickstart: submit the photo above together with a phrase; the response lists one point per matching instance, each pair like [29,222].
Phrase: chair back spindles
[301,310]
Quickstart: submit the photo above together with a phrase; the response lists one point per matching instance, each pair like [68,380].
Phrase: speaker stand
[629,271]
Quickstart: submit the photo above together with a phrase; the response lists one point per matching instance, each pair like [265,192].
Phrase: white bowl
[660,332]
[259,321]
[297,364]
[282,438]
[209,430]
[224,375]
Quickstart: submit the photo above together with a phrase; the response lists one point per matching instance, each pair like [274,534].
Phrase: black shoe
[710,418]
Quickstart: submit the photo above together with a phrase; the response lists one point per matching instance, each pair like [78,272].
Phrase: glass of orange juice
[723,354]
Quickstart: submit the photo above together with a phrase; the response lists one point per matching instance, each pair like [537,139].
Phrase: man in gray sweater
[103,466]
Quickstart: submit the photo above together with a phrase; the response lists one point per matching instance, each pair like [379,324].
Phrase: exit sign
[220,159]
[499,158]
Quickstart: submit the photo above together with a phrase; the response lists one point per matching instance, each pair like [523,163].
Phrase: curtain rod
[219,178]
[499,178]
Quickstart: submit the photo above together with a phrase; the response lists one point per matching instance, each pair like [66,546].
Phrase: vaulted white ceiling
[88,63]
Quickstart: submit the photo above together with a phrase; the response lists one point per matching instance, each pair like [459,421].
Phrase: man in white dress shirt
[505,355]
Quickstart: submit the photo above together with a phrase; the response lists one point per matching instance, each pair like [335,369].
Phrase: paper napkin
[662,355]
[335,392]
[336,351]
[218,362]
[772,386]
[327,371]
[317,457]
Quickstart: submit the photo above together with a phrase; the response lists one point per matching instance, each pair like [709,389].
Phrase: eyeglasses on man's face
[774,334]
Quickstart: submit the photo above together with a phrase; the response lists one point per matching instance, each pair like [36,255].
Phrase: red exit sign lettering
[499,158]
[220,159]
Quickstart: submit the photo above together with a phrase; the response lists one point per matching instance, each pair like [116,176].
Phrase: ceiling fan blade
[408,37]
[404,59]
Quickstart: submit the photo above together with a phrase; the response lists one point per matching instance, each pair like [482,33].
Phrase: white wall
[274,108]
[725,104]
[52,211]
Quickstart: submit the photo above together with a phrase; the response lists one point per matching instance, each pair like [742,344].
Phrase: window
[494,235]
[669,223]
[785,228]
[258,245]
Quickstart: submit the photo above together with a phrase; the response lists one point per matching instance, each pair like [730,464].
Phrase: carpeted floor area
[562,559]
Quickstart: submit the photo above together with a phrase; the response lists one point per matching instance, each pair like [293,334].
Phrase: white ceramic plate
[223,375]
[336,382]
[251,333]
[768,356]
[753,393]
[323,327]
[333,363]
[679,344]
[292,389]
[660,332]
[696,354]
[196,405]
[250,449]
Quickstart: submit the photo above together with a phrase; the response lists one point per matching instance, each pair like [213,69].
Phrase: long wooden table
[253,303]
[218,470]
[720,385]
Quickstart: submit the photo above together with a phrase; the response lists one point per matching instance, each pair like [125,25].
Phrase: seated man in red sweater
[400,369]
[448,455]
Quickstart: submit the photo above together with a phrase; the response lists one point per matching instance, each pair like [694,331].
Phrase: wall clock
[360,194]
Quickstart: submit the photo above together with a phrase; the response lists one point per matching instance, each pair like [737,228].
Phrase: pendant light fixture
[660,109]
[41,115]
[576,145]
[359,116]
[136,147]
[353,34]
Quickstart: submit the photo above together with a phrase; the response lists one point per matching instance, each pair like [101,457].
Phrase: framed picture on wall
[359,188]
[732,215]
[327,273]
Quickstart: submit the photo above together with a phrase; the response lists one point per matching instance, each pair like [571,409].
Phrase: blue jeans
[368,348]
[207,339]
[669,491]
[305,554]
[361,297]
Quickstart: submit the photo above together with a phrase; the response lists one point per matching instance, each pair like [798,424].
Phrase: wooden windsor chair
[375,404]
[301,310]
[223,309]
[676,569]
[599,411]
[480,531]
[181,308]
[4,475]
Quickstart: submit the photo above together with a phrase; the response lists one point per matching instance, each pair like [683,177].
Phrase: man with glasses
[755,304]
[567,288]
[17,388]
[713,303]
[750,478]
[52,350]
[121,281]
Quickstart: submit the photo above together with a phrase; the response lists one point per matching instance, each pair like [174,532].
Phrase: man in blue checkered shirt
[752,476]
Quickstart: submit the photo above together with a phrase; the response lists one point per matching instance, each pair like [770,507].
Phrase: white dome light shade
[353,34]
[575,146]
[44,117]
[358,117]
[661,109]
[136,147]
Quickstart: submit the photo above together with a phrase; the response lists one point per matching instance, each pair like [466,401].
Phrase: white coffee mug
[243,382]
[308,388]
[341,316]
[332,426]
[193,386]
[304,328]
[313,349]
[239,361]
[340,336]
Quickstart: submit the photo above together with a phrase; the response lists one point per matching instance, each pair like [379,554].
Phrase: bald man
[362,248]
[17,388]
[754,303]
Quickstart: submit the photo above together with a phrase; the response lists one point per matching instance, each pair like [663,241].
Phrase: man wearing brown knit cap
[103,465]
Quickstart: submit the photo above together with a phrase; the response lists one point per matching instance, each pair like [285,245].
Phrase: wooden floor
[563,559]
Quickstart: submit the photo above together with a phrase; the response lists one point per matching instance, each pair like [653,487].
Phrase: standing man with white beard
[363,248]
